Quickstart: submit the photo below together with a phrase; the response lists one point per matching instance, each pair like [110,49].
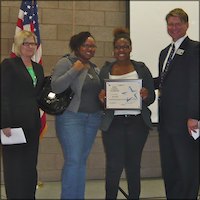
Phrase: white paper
[195,135]
[17,137]
[123,94]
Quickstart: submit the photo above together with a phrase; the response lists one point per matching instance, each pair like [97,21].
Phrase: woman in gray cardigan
[77,126]
[125,131]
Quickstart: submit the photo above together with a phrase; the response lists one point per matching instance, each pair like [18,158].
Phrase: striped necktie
[163,74]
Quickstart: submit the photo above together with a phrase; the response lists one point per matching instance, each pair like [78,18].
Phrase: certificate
[123,94]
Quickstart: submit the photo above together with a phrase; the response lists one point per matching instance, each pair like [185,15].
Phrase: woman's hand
[78,65]
[7,131]
[144,93]
[102,96]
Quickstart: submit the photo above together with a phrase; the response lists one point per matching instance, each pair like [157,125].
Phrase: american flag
[28,20]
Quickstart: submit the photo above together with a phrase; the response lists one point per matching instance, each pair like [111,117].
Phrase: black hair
[121,33]
[77,40]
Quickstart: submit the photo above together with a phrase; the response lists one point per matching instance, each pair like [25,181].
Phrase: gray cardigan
[147,82]
[64,75]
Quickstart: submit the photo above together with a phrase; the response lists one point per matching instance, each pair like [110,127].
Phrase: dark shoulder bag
[51,103]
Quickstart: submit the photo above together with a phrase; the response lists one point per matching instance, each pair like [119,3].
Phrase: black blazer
[19,106]
[147,82]
[179,99]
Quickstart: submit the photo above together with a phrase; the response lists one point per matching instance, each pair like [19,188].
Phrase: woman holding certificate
[128,91]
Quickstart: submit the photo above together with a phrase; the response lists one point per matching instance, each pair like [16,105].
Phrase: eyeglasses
[28,44]
[125,47]
[170,25]
[87,46]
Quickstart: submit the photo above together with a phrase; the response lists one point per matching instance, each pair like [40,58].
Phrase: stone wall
[59,20]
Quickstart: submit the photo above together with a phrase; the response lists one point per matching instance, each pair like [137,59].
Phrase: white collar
[178,42]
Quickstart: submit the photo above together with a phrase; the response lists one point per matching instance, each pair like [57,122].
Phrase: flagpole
[73,16]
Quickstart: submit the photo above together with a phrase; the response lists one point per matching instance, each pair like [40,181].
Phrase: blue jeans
[76,133]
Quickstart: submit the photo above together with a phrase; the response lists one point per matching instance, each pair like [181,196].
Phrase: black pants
[20,174]
[180,164]
[123,143]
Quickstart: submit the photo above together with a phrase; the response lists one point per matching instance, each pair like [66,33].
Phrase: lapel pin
[180,52]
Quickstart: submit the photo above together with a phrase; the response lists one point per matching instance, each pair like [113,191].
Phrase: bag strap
[72,62]
[64,56]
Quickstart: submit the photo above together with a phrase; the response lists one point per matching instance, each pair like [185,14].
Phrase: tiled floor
[150,189]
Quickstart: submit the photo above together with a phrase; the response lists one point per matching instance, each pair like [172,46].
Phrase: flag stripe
[19,23]
[21,15]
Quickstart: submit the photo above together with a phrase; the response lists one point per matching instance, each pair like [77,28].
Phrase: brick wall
[59,20]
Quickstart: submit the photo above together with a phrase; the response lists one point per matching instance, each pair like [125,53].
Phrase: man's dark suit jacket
[179,98]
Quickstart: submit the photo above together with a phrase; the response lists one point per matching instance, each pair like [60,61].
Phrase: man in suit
[178,85]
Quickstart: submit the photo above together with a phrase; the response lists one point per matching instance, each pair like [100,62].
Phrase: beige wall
[59,20]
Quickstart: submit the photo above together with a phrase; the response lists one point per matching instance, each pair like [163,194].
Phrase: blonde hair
[19,39]
[178,12]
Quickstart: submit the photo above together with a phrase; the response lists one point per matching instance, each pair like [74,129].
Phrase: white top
[131,75]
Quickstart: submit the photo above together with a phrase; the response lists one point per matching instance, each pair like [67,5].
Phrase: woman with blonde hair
[22,81]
